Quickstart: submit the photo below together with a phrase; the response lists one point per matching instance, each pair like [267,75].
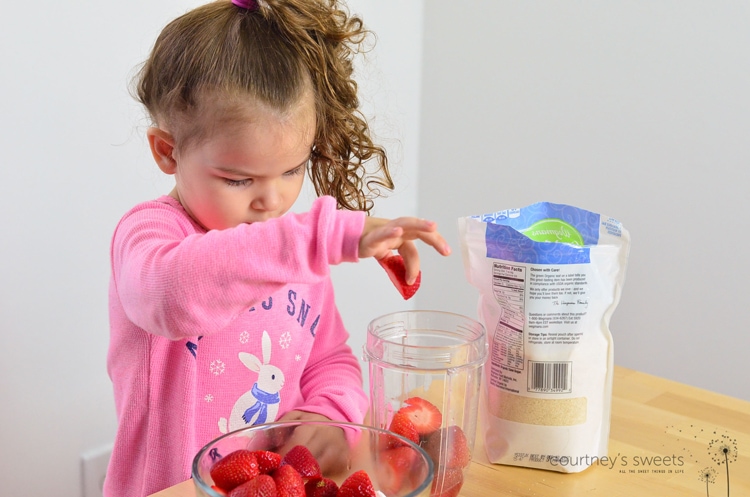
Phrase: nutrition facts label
[509,286]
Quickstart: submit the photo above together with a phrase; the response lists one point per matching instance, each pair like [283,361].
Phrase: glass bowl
[366,448]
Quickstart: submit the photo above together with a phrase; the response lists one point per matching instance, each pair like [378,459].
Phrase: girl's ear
[162,148]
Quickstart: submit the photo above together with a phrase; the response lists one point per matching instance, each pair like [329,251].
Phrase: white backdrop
[639,110]
[74,159]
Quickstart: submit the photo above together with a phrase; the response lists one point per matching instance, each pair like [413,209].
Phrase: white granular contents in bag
[546,412]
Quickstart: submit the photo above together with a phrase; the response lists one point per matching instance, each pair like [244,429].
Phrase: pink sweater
[213,331]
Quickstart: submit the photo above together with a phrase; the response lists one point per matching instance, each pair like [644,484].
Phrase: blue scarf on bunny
[263,399]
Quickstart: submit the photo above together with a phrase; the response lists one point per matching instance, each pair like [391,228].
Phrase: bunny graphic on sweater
[261,403]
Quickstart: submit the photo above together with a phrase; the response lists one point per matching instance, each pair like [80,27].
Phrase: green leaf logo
[553,230]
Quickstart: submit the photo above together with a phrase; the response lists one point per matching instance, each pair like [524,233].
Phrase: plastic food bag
[549,277]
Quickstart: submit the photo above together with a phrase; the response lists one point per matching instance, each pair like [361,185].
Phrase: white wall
[73,161]
[639,110]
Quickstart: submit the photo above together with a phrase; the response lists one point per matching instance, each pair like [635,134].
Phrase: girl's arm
[176,281]
[331,386]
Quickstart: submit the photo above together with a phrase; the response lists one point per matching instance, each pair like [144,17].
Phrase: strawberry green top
[213,331]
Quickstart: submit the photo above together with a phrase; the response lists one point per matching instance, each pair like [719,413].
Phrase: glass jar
[434,356]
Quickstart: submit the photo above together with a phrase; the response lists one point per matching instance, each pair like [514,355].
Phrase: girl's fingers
[441,246]
[381,241]
[382,236]
[424,230]
[409,252]
[435,240]
[415,224]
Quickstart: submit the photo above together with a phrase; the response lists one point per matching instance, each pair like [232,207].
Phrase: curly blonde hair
[271,53]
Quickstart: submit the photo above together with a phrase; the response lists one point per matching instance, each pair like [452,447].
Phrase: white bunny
[260,404]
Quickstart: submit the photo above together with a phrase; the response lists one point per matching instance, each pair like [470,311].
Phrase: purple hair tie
[246,4]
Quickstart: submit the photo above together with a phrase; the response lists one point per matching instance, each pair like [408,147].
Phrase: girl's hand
[381,236]
[327,443]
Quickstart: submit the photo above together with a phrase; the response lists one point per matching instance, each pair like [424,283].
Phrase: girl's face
[248,171]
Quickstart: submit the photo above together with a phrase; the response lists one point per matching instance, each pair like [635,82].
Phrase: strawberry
[321,487]
[425,416]
[447,483]
[396,270]
[401,424]
[397,465]
[267,461]
[234,469]
[453,442]
[260,486]
[288,481]
[358,484]
[300,458]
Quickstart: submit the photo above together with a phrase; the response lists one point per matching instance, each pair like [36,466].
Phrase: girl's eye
[237,182]
[296,171]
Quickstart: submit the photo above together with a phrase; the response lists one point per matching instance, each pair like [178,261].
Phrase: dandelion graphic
[723,451]
[691,433]
[707,474]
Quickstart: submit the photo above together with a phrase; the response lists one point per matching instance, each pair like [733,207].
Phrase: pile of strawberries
[420,421]
[262,473]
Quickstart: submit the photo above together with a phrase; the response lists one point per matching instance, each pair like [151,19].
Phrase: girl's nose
[267,197]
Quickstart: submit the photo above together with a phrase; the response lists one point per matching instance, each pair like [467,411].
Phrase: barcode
[550,377]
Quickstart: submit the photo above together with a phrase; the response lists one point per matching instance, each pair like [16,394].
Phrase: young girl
[221,306]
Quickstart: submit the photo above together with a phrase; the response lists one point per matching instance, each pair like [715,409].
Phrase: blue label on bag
[542,233]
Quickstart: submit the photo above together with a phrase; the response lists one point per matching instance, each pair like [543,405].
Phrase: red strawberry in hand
[452,441]
[425,416]
[396,270]
[358,484]
[234,469]
[300,458]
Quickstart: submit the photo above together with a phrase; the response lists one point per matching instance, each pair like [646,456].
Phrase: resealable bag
[549,278]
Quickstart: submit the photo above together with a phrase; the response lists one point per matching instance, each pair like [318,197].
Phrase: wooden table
[663,442]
